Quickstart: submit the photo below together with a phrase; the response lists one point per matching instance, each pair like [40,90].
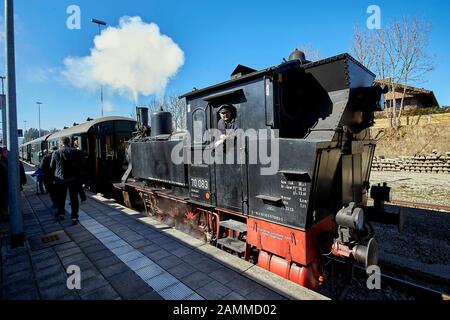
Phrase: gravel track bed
[416,187]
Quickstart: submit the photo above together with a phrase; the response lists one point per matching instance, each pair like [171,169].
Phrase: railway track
[426,206]
[419,287]
[416,284]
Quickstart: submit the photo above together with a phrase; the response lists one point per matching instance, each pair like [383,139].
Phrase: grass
[412,140]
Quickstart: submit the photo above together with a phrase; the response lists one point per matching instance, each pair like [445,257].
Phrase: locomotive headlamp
[351,217]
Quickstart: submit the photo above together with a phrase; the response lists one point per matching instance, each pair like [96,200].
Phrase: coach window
[109,145]
[76,142]
[198,125]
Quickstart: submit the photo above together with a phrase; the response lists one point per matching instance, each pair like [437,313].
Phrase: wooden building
[415,98]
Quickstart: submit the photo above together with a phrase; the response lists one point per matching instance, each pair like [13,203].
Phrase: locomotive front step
[232,244]
[234,225]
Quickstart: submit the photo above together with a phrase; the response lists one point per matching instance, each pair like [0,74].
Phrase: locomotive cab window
[198,126]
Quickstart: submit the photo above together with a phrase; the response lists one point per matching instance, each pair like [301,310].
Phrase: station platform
[123,254]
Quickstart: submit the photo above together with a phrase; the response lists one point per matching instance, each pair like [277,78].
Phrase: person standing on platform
[23,176]
[4,182]
[80,155]
[3,185]
[39,175]
[49,176]
[64,162]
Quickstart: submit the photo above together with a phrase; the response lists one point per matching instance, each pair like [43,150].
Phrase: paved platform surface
[124,255]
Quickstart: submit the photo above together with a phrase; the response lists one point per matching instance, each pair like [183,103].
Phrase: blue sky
[214,35]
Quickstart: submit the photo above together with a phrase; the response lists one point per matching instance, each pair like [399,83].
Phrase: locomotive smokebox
[161,123]
[142,117]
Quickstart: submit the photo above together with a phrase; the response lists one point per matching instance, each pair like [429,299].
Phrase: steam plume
[132,59]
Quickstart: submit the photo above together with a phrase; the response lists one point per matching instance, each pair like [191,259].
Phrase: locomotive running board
[204,205]
[234,225]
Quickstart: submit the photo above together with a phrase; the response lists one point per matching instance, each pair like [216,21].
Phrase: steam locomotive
[307,202]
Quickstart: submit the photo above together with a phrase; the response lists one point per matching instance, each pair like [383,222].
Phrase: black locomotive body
[289,185]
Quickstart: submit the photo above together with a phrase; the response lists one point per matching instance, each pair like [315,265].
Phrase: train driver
[227,123]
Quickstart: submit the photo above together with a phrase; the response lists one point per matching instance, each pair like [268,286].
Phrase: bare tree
[398,55]
[311,52]
[415,60]
[363,47]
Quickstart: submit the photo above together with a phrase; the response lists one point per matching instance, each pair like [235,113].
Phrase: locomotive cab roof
[244,74]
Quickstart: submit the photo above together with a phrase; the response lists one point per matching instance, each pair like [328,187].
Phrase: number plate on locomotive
[199,184]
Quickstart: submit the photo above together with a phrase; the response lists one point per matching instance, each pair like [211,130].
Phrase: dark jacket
[223,126]
[3,179]
[45,167]
[66,163]
[23,176]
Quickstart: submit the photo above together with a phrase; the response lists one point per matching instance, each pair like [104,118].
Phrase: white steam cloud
[132,59]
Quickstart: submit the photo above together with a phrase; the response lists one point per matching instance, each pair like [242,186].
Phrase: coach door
[94,156]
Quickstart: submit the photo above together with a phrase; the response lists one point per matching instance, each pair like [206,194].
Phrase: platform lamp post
[24,128]
[39,108]
[15,207]
[100,23]
[3,108]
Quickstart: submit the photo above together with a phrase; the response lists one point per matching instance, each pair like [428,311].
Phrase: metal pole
[100,23]
[15,209]
[39,108]
[24,130]
[101,86]
[3,107]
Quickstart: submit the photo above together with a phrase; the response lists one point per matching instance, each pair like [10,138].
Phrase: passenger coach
[103,141]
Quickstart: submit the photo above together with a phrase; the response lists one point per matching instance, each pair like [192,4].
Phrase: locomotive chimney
[142,117]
